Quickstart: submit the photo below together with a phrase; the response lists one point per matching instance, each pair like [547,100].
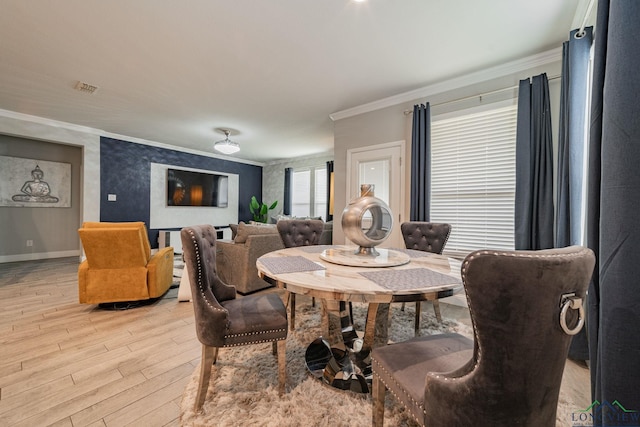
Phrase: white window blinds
[320,193]
[309,192]
[301,197]
[473,179]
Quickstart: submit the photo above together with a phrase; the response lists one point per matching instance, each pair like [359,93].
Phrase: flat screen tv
[187,188]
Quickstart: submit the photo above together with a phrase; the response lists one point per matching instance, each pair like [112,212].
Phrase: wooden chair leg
[402,307]
[436,308]
[377,393]
[313,302]
[351,312]
[282,365]
[416,325]
[209,356]
[292,315]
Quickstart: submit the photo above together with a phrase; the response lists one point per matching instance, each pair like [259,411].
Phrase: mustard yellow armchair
[119,265]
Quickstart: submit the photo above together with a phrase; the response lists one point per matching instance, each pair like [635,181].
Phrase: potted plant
[260,210]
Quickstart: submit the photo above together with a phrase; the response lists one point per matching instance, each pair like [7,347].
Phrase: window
[309,192]
[473,179]
[301,197]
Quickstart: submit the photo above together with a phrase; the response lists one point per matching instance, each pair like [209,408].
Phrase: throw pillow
[246,230]
[234,230]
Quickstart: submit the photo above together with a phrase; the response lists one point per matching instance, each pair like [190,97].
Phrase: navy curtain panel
[421,163]
[613,229]
[329,191]
[572,145]
[572,142]
[534,167]
[286,207]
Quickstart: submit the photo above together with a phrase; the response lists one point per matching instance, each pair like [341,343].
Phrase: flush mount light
[226,146]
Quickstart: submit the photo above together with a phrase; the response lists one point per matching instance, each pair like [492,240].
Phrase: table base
[341,358]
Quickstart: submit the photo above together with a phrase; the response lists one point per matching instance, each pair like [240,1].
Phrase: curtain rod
[580,32]
[407,112]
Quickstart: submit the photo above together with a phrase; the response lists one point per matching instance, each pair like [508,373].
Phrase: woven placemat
[412,278]
[290,264]
[413,253]
[314,248]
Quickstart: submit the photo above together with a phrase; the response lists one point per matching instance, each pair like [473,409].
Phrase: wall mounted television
[188,188]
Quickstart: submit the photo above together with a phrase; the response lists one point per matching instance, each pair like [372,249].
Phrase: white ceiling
[271,70]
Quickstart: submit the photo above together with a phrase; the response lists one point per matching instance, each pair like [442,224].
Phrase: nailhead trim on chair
[420,404]
[259,341]
[465,267]
[200,287]
[479,354]
[255,333]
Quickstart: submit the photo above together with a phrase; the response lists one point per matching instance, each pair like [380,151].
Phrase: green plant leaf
[260,210]
[254,205]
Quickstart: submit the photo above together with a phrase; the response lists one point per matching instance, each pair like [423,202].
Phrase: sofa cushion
[246,230]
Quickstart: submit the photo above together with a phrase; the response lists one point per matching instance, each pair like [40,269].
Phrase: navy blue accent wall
[125,170]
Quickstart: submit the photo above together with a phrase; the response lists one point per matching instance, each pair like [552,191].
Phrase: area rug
[243,387]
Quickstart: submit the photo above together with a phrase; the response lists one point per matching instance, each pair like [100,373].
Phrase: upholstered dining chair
[294,233]
[524,307]
[222,320]
[427,237]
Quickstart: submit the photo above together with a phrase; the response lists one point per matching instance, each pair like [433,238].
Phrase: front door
[382,166]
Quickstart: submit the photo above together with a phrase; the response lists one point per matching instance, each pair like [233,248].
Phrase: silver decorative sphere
[367,231]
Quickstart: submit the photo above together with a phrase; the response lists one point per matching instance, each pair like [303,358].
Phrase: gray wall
[53,230]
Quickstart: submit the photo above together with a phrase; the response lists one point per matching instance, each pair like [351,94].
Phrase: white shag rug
[243,386]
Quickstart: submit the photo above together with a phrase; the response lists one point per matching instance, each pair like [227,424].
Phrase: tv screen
[187,188]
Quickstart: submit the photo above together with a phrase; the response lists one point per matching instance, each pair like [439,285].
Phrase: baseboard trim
[39,256]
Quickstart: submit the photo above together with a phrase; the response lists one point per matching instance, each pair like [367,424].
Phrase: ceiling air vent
[86,87]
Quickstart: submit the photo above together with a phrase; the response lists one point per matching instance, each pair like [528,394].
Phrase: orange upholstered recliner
[119,265]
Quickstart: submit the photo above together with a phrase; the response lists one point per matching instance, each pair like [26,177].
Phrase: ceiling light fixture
[226,146]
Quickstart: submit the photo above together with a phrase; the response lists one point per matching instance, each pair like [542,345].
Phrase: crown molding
[326,155]
[48,122]
[508,68]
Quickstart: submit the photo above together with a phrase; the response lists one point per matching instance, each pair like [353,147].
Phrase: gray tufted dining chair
[221,319]
[299,232]
[427,237]
[524,307]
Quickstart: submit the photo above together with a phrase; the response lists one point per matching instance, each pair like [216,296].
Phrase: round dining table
[337,274]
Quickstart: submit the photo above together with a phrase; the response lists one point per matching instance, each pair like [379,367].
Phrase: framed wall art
[34,183]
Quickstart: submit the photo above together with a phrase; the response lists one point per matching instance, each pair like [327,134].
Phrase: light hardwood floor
[67,364]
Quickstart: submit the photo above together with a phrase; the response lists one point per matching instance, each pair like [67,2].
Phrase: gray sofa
[236,259]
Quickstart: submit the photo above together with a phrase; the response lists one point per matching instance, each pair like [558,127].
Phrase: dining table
[339,274]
